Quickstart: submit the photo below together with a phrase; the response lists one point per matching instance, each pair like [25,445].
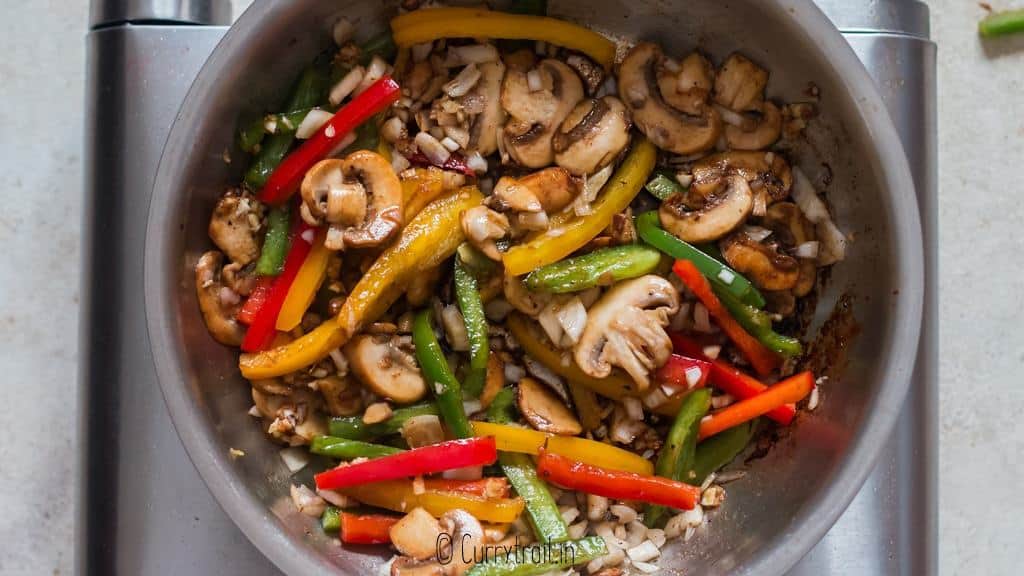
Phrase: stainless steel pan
[788,500]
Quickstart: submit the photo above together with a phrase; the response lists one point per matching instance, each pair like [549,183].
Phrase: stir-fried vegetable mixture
[513,292]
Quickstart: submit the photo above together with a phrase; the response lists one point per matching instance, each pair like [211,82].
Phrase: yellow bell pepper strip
[587,408]
[561,240]
[305,286]
[428,25]
[420,187]
[429,239]
[401,496]
[528,441]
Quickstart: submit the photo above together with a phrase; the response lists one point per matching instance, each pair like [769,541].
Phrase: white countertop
[981,150]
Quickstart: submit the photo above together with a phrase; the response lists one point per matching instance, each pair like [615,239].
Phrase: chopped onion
[336,498]
[399,163]
[760,203]
[455,328]
[807,250]
[634,409]
[472,54]
[471,406]
[591,188]
[534,81]
[463,82]
[346,85]
[832,247]
[340,362]
[548,320]
[684,178]
[458,134]
[342,31]
[295,458]
[730,117]
[437,132]
[721,401]
[307,502]
[693,375]
[312,123]
[421,52]
[573,318]
[431,148]
[726,276]
[470,473]
[477,163]
[645,551]
[393,130]
[270,124]
[712,351]
[672,65]
[450,144]
[807,199]
[756,233]
[377,68]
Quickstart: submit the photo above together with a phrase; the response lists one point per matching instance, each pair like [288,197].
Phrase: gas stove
[143,509]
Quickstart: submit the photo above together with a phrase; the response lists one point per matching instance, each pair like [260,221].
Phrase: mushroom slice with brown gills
[522,298]
[668,128]
[417,534]
[626,328]
[482,226]
[467,539]
[544,411]
[764,130]
[383,366]
[535,113]
[295,418]
[791,228]
[485,101]
[686,86]
[740,84]
[592,135]
[360,197]
[761,262]
[218,303]
[235,224]
[720,213]
[766,169]
[534,196]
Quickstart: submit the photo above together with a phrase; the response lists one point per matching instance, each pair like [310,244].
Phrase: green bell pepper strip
[345,449]
[663,185]
[677,455]
[439,375]
[650,230]
[475,261]
[602,267]
[330,521]
[758,324]
[519,469]
[308,92]
[1002,23]
[717,451]
[251,135]
[523,561]
[353,427]
[468,296]
[276,242]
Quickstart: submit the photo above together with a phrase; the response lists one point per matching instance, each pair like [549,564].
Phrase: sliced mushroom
[522,298]
[764,131]
[383,366]
[416,534]
[761,169]
[720,214]
[535,114]
[791,228]
[740,84]
[591,72]
[592,135]
[405,566]
[218,303]
[762,263]
[667,127]
[545,411]
[482,226]
[782,303]
[687,85]
[549,191]
[235,225]
[467,538]
[360,197]
[295,418]
[422,430]
[486,96]
[626,328]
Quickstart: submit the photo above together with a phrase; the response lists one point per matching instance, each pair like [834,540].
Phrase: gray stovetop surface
[980,148]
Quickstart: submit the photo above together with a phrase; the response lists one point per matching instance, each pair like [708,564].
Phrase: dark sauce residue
[828,355]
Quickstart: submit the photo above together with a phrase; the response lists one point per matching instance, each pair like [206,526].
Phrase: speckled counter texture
[981,143]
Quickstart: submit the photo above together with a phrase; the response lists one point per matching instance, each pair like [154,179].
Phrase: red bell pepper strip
[261,331]
[289,174]
[416,462]
[683,373]
[763,359]
[615,483]
[367,528]
[257,298]
[792,389]
[456,163]
[731,379]
[491,487]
